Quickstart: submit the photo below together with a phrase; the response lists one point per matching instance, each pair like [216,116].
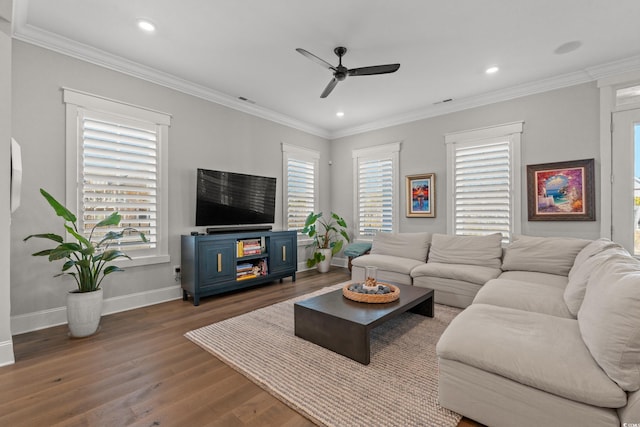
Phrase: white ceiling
[225,49]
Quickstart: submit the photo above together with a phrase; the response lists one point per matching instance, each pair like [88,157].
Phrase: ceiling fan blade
[315,59]
[329,88]
[376,69]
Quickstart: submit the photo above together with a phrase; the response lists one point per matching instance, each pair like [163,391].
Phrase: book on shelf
[246,276]
[248,247]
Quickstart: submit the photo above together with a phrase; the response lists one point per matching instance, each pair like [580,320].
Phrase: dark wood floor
[140,370]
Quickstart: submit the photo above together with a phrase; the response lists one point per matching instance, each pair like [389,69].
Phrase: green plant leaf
[67,265]
[112,254]
[112,269]
[46,252]
[337,247]
[345,235]
[113,219]
[111,235]
[58,207]
[64,251]
[311,218]
[78,236]
[50,236]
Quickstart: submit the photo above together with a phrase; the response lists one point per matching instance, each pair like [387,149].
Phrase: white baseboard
[6,353]
[338,262]
[29,322]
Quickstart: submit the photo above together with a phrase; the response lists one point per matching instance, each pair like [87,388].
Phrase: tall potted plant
[327,235]
[87,262]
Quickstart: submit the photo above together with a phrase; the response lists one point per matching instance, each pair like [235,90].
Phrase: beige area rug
[398,388]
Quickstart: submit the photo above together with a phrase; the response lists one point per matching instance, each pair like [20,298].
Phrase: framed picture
[421,195]
[561,191]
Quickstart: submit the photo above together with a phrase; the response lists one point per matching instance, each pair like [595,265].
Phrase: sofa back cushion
[554,255]
[593,248]
[580,274]
[471,250]
[405,245]
[609,319]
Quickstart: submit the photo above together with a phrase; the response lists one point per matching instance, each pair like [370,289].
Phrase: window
[376,183]
[116,157]
[300,169]
[483,179]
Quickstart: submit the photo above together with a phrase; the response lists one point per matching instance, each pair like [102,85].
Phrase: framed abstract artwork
[421,195]
[561,191]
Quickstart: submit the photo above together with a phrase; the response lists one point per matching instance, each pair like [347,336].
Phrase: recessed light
[492,70]
[340,114]
[146,25]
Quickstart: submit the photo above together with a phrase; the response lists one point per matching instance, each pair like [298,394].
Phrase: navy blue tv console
[222,262]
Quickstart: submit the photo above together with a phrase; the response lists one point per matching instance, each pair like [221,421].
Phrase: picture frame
[561,191]
[421,195]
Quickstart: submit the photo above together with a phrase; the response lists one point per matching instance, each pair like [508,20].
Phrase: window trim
[305,154]
[508,131]
[392,151]
[77,101]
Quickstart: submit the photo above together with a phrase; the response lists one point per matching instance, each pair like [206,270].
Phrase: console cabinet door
[283,252]
[216,260]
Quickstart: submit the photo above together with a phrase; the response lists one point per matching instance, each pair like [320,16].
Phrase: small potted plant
[87,262]
[327,235]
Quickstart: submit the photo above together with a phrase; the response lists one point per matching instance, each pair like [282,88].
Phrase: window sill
[143,260]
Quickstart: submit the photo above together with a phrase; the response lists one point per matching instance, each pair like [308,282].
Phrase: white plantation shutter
[300,192]
[375,196]
[119,174]
[117,162]
[483,190]
[483,181]
[300,186]
[376,189]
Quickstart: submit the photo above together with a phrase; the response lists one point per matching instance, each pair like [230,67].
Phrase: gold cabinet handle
[284,253]
[219,263]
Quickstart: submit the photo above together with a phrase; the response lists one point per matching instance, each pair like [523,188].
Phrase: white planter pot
[324,266]
[84,310]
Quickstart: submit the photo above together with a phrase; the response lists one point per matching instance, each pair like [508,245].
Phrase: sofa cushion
[387,262]
[536,277]
[405,245]
[541,351]
[609,319]
[529,296]
[471,250]
[554,255]
[593,248]
[469,273]
[579,277]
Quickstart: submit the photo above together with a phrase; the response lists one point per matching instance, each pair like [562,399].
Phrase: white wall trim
[56,43]
[29,322]
[6,353]
[608,85]
[376,150]
[29,34]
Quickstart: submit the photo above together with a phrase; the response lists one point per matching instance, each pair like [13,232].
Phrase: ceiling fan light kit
[340,72]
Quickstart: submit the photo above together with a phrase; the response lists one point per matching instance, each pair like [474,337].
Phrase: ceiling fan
[341,72]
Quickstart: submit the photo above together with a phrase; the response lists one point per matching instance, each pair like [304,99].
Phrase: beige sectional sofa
[553,339]
[455,267]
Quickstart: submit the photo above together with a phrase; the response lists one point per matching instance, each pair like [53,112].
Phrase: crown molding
[29,34]
[589,74]
[38,37]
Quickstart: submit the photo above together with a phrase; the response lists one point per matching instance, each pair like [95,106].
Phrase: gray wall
[558,125]
[6,345]
[202,134]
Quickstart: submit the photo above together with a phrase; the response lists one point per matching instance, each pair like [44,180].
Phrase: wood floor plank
[140,370]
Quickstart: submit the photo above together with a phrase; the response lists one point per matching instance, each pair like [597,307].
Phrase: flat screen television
[234,199]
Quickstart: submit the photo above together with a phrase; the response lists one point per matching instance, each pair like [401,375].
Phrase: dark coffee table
[341,325]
